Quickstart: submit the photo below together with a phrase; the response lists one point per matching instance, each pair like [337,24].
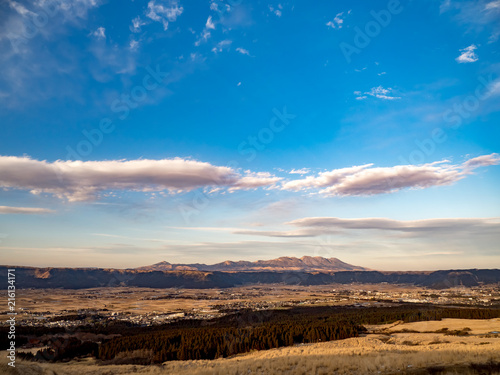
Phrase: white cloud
[255,180]
[164,13]
[367,180]
[494,88]
[468,55]
[19,8]
[492,5]
[243,51]
[24,210]
[133,44]
[84,181]
[223,44]
[100,33]
[210,24]
[377,92]
[278,12]
[300,171]
[137,23]
[205,34]
[337,21]
[268,233]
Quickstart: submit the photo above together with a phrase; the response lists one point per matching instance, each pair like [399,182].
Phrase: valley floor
[388,349]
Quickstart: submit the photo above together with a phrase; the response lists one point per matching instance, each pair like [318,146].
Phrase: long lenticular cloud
[83,181]
[367,180]
[326,224]
[24,210]
[317,226]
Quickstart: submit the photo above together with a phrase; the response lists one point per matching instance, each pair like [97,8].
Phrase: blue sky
[140,131]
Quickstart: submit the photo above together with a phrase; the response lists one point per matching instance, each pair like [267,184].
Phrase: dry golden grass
[376,353]
[477,326]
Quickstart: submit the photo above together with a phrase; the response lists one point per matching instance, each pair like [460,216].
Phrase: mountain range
[306,263]
[285,270]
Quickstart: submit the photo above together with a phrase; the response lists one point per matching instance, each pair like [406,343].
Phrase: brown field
[138,300]
[376,353]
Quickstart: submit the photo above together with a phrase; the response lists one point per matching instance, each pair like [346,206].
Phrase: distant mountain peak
[285,263]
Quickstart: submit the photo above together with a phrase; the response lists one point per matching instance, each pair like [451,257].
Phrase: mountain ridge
[305,263]
[80,278]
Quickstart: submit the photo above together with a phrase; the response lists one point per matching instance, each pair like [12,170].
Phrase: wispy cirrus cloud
[24,210]
[369,180]
[27,60]
[480,14]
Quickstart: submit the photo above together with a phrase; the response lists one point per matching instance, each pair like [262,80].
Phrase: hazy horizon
[232,130]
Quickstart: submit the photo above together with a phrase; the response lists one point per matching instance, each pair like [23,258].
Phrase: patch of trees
[210,343]
[63,349]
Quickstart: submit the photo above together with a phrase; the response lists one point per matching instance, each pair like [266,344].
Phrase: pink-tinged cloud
[369,180]
[83,181]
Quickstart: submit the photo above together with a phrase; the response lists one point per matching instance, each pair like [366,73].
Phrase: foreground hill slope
[413,351]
